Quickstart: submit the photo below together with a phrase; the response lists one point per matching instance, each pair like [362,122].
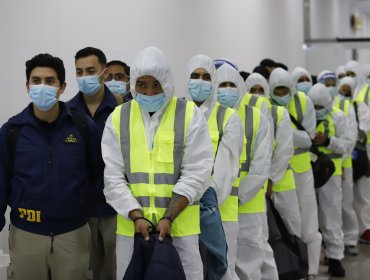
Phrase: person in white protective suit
[200,85]
[255,164]
[340,72]
[153,121]
[331,139]
[349,219]
[302,79]
[283,93]
[354,70]
[283,186]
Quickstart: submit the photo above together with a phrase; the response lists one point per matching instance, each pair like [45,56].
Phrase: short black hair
[244,75]
[263,71]
[267,62]
[121,63]
[92,51]
[281,65]
[46,60]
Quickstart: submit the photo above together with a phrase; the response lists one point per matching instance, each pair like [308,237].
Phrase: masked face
[281,96]
[117,87]
[199,89]
[90,85]
[151,103]
[228,96]
[321,113]
[304,87]
[43,96]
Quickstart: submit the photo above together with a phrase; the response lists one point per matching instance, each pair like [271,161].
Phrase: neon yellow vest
[286,183]
[301,161]
[151,175]
[344,106]
[250,117]
[216,123]
[327,128]
[255,101]
[363,96]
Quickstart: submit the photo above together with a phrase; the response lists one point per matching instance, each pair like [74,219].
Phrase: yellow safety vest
[344,106]
[327,128]
[287,182]
[151,175]
[216,123]
[301,161]
[363,96]
[250,117]
[255,101]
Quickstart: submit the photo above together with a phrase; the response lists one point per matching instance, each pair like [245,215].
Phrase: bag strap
[279,221]
[12,135]
[355,105]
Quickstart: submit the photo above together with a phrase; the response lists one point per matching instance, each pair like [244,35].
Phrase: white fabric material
[197,158]
[366,70]
[261,151]
[362,202]
[257,79]
[356,68]
[310,227]
[320,95]
[363,116]
[330,217]
[187,247]
[340,70]
[287,205]
[347,81]
[299,72]
[302,139]
[268,269]
[322,73]
[226,164]
[231,230]
[349,218]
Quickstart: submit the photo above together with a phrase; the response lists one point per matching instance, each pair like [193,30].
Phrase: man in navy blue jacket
[96,100]
[45,179]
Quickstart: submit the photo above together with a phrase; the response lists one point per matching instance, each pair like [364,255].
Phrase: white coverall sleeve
[363,116]
[197,160]
[351,131]
[284,148]
[116,190]
[226,166]
[302,138]
[260,163]
[340,142]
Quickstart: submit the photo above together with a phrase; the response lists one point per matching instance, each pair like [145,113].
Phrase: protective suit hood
[281,78]
[257,79]
[320,95]
[203,61]
[152,62]
[347,81]
[299,72]
[326,74]
[340,70]
[227,73]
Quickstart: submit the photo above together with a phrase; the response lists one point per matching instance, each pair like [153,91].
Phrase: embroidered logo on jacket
[71,139]
[32,215]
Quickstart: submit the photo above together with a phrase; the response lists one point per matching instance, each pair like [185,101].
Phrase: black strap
[296,122]
[356,113]
[12,135]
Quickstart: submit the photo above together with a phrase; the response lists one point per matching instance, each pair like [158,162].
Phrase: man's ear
[28,87]
[62,88]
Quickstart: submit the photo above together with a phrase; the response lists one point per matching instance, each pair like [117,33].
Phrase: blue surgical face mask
[342,96]
[321,114]
[227,96]
[152,103]
[89,85]
[332,91]
[199,90]
[117,87]
[281,100]
[304,87]
[43,96]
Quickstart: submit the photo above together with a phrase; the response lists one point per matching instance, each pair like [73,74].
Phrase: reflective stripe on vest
[328,129]
[363,96]
[151,175]
[301,161]
[287,182]
[250,117]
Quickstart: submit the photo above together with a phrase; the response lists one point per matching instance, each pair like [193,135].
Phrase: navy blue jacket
[154,260]
[99,206]
[47,185]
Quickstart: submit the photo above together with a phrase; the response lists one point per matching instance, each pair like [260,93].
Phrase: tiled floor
[357,268]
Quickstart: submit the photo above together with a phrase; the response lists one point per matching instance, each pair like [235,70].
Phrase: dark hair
[281,65]
[92,51]
[46,60]
[120,63]
[244,75]
[267,62]
[263,71]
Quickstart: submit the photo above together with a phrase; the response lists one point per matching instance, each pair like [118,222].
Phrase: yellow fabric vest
[250,117]
[301,161]
[151,175]
[255,101]
[216,123]
[363,96]
[344,106]
[327,128]
[286,183]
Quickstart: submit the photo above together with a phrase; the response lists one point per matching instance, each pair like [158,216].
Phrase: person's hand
[142,226]
[164,228]
[269,189]
[319,139]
